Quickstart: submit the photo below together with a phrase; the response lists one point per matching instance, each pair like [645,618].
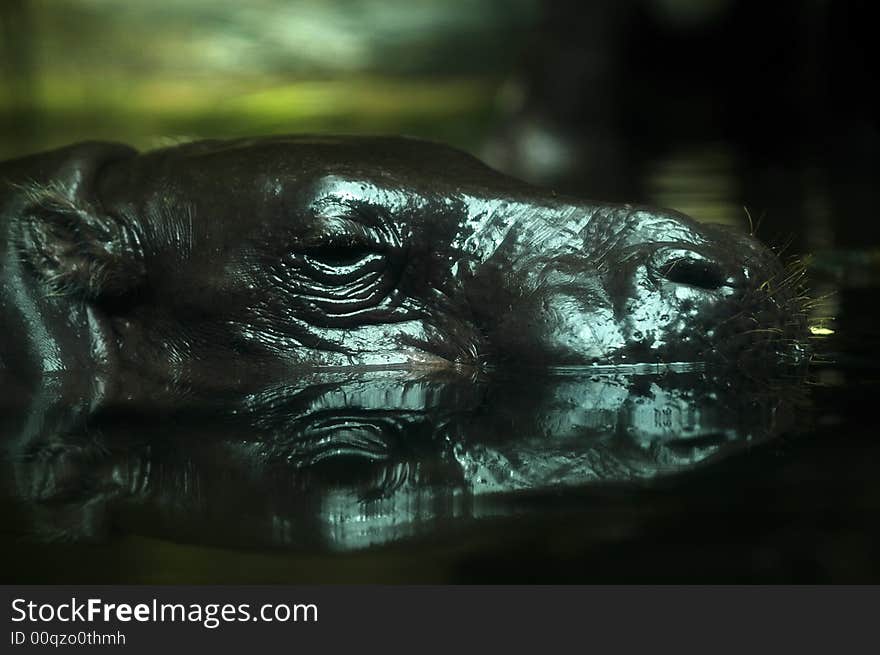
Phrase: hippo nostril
[699,273]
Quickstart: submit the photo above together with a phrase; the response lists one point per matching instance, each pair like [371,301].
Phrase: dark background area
[706,107]
[709,104]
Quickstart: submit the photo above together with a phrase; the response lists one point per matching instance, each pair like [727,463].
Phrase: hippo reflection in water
[360,460]
[219,266]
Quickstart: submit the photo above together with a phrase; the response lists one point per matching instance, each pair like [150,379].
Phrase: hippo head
[220,263]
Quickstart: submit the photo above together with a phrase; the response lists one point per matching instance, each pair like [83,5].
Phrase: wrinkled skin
[222,265]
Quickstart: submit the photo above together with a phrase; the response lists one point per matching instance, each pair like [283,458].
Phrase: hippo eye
[694,272]
[347,265]
[339,256]
[341,277]
[340,264]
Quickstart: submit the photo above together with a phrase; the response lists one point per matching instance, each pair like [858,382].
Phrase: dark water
[682,475]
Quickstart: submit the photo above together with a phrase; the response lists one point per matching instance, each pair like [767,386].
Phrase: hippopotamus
[218,265]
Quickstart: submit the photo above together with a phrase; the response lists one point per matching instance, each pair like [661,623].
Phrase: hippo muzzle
[215,265]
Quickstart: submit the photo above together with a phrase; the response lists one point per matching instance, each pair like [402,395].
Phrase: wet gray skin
[221,266]
[343,461]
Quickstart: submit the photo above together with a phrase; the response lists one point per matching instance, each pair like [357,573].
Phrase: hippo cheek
[564,320]
[572,330]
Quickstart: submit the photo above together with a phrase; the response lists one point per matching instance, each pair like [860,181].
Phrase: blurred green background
[701,105]
[151,72]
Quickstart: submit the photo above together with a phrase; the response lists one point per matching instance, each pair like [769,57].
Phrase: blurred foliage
[146,71]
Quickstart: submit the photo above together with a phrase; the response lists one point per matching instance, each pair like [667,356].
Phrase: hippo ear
[76,249]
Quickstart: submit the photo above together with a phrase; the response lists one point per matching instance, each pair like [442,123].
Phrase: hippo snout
[648,286]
